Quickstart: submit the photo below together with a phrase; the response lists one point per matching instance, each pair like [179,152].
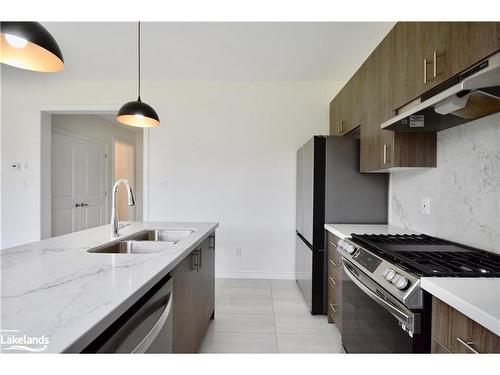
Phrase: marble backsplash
[464,188]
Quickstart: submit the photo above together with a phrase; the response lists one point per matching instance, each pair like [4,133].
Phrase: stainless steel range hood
[463,98]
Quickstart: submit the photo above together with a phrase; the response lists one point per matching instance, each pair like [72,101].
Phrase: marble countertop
[477,298]
[345,230]
[57,289]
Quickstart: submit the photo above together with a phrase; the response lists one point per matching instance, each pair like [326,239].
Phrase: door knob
[77,204]
[84,204]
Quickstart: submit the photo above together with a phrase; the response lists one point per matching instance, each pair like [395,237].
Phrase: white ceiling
[288,51]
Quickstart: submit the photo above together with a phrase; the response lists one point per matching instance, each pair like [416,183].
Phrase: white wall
[464,188]
[226,152]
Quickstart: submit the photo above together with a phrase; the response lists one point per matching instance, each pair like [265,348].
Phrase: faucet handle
[131,198]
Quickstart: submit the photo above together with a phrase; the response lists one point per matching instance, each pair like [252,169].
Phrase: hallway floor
[266,316]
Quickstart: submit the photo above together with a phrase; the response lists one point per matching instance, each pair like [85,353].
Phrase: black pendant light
[138,113]
[28,45]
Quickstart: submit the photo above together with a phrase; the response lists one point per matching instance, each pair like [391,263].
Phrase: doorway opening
[88,152]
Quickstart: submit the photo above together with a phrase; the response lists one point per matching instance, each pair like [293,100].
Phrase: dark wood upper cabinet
[346,109]
[459,45]
[376,144]
[406,70]
[335,115]
[412,59]
[426,54]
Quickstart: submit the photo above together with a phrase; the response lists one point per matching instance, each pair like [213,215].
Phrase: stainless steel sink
[174,235]
[145,242]
[133,247]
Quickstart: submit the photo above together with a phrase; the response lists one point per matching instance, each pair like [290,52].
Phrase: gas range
[397,262]
[384,309]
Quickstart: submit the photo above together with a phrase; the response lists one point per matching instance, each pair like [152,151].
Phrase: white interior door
[78,183]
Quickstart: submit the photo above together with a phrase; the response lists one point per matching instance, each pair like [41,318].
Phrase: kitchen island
[55,288]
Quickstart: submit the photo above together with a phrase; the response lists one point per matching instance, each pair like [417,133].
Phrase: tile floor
[266,316]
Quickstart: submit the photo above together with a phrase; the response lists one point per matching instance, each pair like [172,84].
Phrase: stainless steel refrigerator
[330,189]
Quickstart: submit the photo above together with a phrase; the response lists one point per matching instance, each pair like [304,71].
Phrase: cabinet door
[351,103]
[377,144]
[445,49]
[346,109]
[459,334]
[335,115]
[424,51]
[207,280]
[460,45]
[185,306]
[406,70]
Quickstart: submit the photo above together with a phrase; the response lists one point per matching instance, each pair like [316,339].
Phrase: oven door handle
[404,318]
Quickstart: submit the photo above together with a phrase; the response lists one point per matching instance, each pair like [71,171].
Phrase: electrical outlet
[426,206]
[162,185]
[237,252]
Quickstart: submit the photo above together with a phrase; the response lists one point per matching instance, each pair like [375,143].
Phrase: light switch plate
[426,206]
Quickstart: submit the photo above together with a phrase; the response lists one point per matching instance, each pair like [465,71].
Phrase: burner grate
[428,256]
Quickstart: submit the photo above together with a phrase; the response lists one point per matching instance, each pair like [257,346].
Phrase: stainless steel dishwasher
[146,327]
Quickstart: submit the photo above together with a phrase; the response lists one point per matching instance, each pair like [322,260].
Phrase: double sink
[145,242]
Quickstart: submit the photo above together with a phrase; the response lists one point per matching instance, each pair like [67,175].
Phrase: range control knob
[400,282]
[350,249]
[389,274]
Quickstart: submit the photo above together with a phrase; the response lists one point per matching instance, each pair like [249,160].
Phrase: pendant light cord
[139,58]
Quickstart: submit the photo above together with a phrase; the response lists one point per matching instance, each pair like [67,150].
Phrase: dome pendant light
[28,45]
[138,113]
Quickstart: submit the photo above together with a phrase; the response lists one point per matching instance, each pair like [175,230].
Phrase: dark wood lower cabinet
[193,297]
[453,332]
[334,282]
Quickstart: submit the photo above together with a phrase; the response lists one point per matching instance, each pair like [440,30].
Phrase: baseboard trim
[255,275]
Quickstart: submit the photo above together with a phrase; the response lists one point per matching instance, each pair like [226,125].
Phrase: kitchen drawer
[438,348]
[334,270]
[333,254]
[334,314]
[334,280]
[333,238]
[460,334]
[334,300]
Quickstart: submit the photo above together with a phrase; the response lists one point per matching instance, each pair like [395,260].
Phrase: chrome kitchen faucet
[114,211]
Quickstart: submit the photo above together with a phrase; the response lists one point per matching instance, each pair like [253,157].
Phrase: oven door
[373,321]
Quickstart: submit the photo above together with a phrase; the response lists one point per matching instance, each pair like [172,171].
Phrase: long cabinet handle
[341,126]
[435,70]
[332,306]
[425,70]
[386,154]
[468,345]
[196,263]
